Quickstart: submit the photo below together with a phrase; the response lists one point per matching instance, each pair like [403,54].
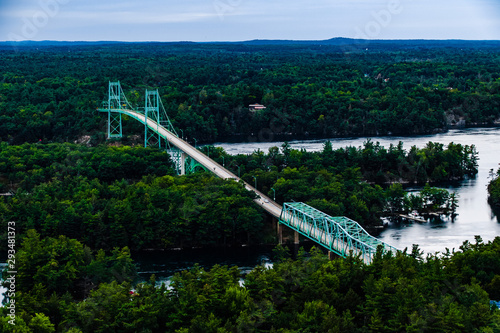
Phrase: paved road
[265,202]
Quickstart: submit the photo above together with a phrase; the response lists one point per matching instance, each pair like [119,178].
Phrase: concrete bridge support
[183,163]
[280,233]
[296,234]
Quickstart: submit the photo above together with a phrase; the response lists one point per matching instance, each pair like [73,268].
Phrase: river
[475,216]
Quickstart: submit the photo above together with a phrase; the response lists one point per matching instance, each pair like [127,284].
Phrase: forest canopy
[109,196]
[51,93]
[401,292]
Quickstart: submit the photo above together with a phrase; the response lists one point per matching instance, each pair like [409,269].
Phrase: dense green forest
[27,165]
[109,196]
[121,196]
[377,164]
[50,93]
[402,292]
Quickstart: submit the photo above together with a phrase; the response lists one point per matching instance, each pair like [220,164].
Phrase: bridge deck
[264,201]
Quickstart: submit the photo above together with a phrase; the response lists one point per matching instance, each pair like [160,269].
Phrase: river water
[475,216]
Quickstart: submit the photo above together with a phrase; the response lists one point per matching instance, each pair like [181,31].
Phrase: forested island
[82,204]
[494,190]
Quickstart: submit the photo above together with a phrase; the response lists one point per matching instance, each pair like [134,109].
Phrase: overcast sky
[238,20]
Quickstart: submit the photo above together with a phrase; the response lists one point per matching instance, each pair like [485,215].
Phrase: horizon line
[249,40]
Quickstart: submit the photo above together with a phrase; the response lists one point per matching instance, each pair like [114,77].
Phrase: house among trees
[256,107]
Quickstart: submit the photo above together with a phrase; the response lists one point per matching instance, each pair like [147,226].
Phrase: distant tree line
[51,93]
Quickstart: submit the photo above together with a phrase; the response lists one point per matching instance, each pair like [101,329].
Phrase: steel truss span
[340,235]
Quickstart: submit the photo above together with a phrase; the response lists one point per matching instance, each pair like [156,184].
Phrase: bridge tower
[114,104]
[153,110]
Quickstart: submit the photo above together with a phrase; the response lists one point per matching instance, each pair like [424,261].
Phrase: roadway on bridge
[265,202]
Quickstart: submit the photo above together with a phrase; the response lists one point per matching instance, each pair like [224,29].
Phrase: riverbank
[271,137]
[475,215]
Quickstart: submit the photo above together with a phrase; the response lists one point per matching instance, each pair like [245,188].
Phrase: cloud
[135,18]
[248,19]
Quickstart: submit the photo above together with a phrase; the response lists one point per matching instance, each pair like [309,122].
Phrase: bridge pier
[280,233]
[183,163]
[332,255]
[296,234]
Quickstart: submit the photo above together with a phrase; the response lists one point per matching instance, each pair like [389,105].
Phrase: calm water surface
[475,216]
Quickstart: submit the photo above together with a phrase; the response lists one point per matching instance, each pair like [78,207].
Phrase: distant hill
[339,41]
[405,43]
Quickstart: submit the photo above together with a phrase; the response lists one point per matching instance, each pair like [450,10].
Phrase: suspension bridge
[338,235]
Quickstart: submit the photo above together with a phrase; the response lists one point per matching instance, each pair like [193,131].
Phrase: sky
[239,20]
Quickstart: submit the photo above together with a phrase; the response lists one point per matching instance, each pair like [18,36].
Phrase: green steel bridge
[338,235]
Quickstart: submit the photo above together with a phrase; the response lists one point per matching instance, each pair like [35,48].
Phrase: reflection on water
[164,264]
[438,226]
[475,216]
[495,214]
